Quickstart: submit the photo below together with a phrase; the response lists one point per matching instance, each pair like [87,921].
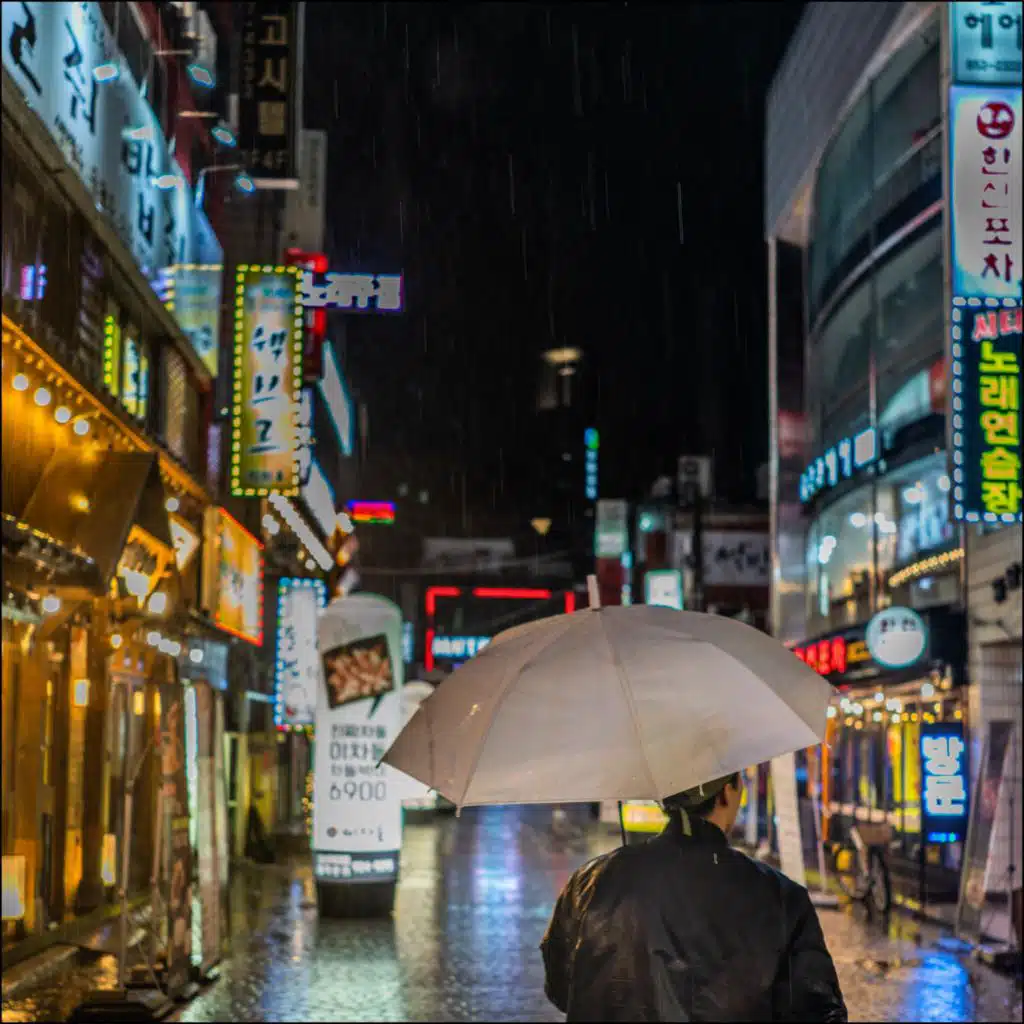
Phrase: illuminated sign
[297,675]
[357,293]
[896,637]
[985,184]
[336,398]
[381,512]
[986,349]
[664,587]
[143,563]
[591,443]
[186,541]
[318,497]
[985,43]
[834,655]
[233,583]
[267,382]
[944,781]
[459,648]
[611,535]
[316,319]
[432,594]
[194,298]
[841,462]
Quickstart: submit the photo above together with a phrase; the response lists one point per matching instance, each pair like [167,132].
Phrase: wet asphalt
[474,899]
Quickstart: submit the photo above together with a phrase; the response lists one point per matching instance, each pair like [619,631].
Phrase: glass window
[907,102]
[842,197]
[839,369]
[840,561]
[910,321]
[135,373]
[913,508]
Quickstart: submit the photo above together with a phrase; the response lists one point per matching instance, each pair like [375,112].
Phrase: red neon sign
[824,656]
[431,594]
[316,319]
[372,511]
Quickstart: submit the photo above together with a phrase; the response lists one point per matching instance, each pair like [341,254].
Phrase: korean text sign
[986,412]
[106,131]
[267,382]
[985,183]
[944,775]
[267,116]
[234,583]
[196,304]
[299,602]
[986,43]
[357,802]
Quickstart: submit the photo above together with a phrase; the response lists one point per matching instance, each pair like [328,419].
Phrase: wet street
[475,897]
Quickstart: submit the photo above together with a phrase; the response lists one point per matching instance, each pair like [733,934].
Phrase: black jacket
[683,928]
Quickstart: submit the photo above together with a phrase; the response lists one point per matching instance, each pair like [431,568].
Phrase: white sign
[611,534]
[106,130]
[694,476]
[896,637]
[336,398]
[985,168]
[297,676]
[731,558]
[664,587]
[305,207]
[787,818]
[356,292]
[357,802]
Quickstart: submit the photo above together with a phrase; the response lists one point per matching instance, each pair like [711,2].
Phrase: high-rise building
[871,520]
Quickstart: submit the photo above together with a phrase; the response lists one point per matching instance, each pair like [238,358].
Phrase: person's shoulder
[792,893]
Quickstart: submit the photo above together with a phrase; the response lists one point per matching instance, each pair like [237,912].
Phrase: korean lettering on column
[267,84]
[271,387]
[999,409]
[356,775]
[995,122]
[945,788]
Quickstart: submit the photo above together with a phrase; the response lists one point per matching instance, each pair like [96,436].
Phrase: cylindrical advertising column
[357,802]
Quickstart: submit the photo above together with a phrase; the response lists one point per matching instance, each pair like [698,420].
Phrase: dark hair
[705,807]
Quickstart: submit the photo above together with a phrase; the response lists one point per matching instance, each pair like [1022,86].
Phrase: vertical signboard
[194,298]
[591,444]
[233,577]
[944,782]
[177,843]
[267,114]
[305,208]
[267,382]
[299,602]
[357,802]
[316,319]
[787,811]
[986,245]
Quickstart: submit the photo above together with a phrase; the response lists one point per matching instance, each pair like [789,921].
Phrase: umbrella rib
[628,694]
[506,681]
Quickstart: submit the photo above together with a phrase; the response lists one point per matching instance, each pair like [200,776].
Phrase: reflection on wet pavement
[474,899]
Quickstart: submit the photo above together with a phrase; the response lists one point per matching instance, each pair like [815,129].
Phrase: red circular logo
[995,120]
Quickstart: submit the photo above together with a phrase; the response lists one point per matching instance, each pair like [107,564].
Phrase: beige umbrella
[621,703]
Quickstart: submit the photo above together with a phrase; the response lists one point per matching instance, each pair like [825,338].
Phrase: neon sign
[986,412]
[591,443]
[382,512]
[841,462]
[357,293]
[460,647]
[944,781]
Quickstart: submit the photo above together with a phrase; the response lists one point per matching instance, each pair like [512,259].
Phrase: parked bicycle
[859,863]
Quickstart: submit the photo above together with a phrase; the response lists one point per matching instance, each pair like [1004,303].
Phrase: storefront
[901,670]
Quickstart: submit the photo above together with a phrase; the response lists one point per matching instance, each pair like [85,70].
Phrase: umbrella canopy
[619,703]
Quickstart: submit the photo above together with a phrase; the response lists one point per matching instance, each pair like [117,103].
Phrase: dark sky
[527,166]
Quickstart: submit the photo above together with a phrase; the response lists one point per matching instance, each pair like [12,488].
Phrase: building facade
[866,551]
[112,671]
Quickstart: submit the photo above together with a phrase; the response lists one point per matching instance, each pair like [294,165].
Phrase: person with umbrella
[684,928]
[644,703]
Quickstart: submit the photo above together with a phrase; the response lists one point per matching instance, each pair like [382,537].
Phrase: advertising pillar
[357,802]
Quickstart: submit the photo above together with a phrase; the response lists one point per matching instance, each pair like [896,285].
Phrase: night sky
[578,174]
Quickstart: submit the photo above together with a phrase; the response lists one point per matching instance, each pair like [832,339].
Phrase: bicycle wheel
[879,883]
[848,875]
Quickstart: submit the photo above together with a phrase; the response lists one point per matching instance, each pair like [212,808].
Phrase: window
[913,502]
[134,373]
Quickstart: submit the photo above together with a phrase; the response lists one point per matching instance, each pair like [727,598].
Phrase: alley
[474,900]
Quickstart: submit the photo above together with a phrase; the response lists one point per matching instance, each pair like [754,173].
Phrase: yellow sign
[267,381]
[186,541]
[143,562]
[234,583]
[643,816]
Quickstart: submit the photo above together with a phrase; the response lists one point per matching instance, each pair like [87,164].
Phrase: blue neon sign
[841,462]
[944,798]
[460,647]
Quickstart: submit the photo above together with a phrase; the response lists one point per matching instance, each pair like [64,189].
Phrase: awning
[91,503]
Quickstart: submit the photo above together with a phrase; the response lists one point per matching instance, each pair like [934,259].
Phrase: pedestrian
[684,928]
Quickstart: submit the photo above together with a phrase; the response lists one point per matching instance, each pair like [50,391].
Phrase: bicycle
[858,863]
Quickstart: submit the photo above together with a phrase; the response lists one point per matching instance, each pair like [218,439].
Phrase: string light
[20,382]
[62,414]
[42,397]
